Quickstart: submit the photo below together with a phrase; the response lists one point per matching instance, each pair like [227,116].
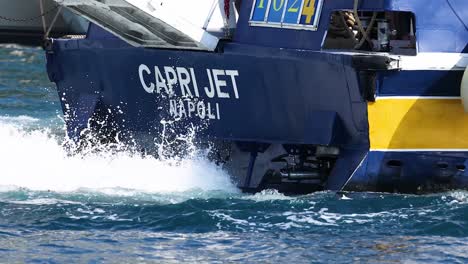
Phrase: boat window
[391,32]
[173,24]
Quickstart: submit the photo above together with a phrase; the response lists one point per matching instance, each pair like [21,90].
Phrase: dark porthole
[394,163]
[442,165]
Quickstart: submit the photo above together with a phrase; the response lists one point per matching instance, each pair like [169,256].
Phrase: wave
[35,159]
[21,120]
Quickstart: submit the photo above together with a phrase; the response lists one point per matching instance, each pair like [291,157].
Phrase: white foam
[12,46]
[344,197]
[18,53]
[459,196]
[269,195]
[18,120]
[36,160]
[44,201]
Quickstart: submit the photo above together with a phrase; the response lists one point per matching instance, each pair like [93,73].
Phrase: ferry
[295,95]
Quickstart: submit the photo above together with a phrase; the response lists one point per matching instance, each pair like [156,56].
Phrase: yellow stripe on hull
[417,123]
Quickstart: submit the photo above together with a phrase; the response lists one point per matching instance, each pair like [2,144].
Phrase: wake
[35,159]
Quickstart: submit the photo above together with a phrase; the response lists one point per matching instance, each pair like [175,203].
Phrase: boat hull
[256,104]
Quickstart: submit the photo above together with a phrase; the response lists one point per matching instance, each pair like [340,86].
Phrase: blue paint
[312,101]
[275,13]
[458,7]
[420,83]
[435,24]
[410,171]
[284,93]
[292,16]
[259,12]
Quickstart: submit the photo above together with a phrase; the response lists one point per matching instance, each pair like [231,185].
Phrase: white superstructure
[186,24]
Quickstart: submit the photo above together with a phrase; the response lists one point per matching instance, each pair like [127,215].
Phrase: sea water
[121,207]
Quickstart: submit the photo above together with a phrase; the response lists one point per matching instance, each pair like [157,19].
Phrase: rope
[44,26]
[341,24]
[365,33]
[53,22]
[347,28]
[29,19]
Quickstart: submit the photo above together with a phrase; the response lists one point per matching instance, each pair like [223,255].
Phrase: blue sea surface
[119,207]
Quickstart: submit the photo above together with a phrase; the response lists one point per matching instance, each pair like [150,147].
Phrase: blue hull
[297,107]
[265,107]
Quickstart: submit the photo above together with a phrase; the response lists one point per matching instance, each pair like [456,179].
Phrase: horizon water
[120,207]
